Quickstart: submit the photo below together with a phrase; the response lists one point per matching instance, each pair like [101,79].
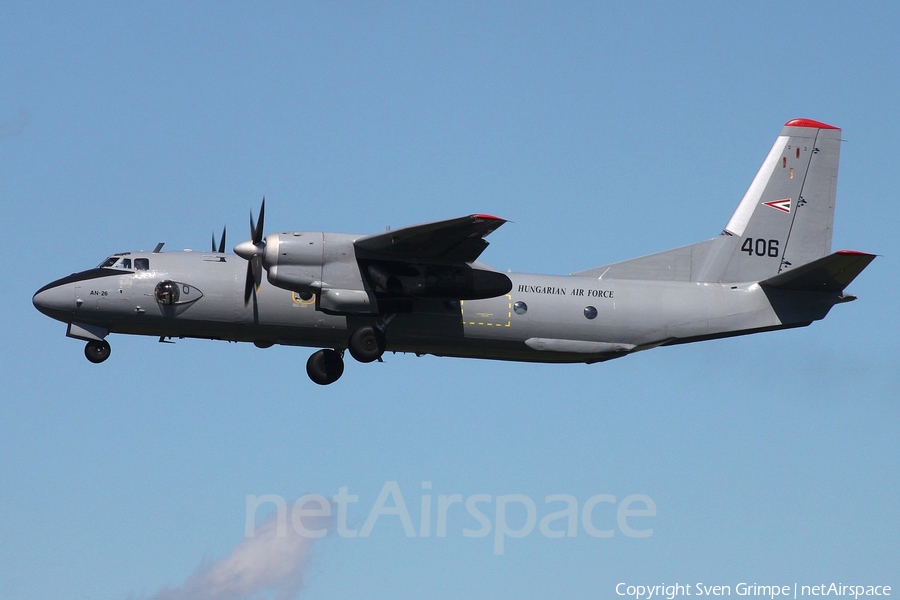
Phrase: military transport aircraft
[420,289]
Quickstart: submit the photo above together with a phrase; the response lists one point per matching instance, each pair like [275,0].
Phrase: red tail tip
[809,123]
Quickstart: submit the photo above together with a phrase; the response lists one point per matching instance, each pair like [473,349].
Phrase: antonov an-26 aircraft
[421,289]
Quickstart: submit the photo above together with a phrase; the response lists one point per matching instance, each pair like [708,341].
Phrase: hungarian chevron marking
[783,205]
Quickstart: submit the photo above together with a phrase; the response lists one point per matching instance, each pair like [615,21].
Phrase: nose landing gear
[325,366]
[97,351]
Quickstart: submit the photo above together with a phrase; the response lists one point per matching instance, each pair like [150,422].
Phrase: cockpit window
[112,260]
[142,264]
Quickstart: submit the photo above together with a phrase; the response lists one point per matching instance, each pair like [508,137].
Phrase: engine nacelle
[440,282]
[302,248]
[344,302]
[319,263]
[326,264]
[293,261]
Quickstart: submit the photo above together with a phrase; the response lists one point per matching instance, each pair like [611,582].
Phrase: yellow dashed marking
[462,311]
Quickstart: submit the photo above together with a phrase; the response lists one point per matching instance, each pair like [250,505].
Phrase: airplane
[422,290]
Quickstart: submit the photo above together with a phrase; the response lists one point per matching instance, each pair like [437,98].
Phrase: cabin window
[142,264]
[520,308]
[590,312]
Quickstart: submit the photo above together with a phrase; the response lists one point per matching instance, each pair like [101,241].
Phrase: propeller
[252,251]
[221,249]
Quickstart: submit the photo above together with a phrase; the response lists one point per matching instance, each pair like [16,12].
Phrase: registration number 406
[760,247]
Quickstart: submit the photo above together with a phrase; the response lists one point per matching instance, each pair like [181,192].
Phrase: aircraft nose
[52,300]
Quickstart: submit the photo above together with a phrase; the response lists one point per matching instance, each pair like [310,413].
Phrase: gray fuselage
[544,318]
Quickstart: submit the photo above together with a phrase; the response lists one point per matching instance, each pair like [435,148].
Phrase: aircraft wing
[459,240]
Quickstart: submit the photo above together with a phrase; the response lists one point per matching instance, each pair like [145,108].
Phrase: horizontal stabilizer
[830,273]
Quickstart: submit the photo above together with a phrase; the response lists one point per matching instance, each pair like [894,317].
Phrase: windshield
[116,262]
[109,262]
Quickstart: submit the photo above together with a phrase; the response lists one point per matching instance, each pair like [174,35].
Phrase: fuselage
[421,289]
[544,318]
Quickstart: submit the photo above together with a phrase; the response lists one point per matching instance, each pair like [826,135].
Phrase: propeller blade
[222,242]
[256,266]
[213,241]
[252,251]
[258,230]
[248,285]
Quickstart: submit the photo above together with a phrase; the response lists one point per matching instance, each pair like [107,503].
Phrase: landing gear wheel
[367,344]
[97,352]
[325,366]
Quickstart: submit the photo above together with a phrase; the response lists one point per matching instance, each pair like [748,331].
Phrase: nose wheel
[97,351]
[325,366]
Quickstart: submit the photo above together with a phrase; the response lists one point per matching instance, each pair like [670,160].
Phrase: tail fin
[787,215]
[784,220]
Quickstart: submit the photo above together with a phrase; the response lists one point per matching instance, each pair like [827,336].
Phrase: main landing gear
[367,344]
[97,351]
[326,366]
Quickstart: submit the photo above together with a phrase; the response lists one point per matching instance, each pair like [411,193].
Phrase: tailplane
[830,273]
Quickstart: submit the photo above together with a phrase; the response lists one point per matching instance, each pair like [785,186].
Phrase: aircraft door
[489,317]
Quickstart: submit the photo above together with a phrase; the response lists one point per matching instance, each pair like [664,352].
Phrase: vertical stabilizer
[786,217]
[784,220]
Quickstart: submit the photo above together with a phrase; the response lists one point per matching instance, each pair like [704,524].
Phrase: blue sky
[602,131]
